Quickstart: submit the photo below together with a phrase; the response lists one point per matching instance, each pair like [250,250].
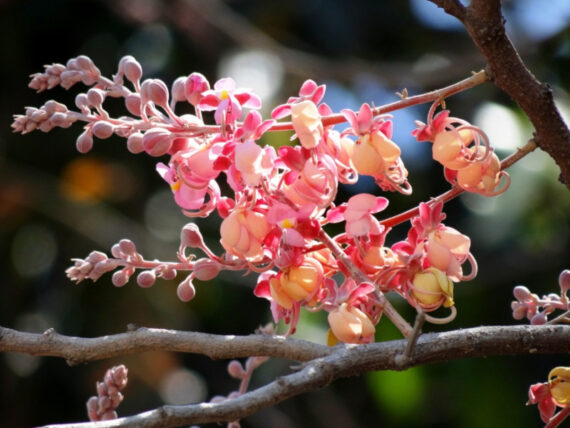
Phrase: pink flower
[298,283]
[447,249]
[357,213]
[539,393]
[253,162]
[309,91]
[227,101]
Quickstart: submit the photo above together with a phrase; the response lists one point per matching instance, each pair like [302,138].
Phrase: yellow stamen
[287,223]
[224,95]
[175,186]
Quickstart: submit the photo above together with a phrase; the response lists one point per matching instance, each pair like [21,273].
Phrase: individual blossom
[357,213]
[350,325]
[374,153]
[298,283]
[242,234]
[307,123]
[483,177]
[309,91]
[552,394]
[228,101]
[447,250]
[431,288]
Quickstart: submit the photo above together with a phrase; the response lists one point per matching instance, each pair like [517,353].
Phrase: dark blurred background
[56,204]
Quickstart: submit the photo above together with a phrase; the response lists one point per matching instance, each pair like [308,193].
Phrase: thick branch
[485,25]
[345,361]
[78,350]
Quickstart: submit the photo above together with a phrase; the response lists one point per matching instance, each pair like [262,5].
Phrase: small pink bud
[60,119]
[120,278]
[177,91]
[127,247]
[133,104]
[95,97]
[85,63]
[235,369]
[194,86]
[116,251]
[135,143]
[206,269]
[146,278]
[186,290]
[168,273]
[157,141]
[191,236]
[102,130]
[521,293]
[84,142]
[156,91]
[81,101]
[539,318]
[131,68]
[564,281]
[96,257]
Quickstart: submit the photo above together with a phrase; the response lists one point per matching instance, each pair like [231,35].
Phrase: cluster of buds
[538,309]
[278,201]
[465,153]
[552,394]
[102,407]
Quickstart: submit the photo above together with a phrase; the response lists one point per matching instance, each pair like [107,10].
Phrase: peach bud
[351,325]
[242,233]
[372,154]
[296,283]
[430,286]
[307,123]
[448,147]
[481,176]
[559,383]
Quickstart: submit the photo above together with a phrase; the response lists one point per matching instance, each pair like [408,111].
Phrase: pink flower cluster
[102,407]
[464,150]
[280,199]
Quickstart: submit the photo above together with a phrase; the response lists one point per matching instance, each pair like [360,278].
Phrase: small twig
[403,359]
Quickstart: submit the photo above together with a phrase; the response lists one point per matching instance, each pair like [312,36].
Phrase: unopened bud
[128,247]
[102,130]
[178,90]
[146,278]
[564,281]
[168,273]
[60,119]
[157,141]
[135,143]
[120,278]
[206,269]
[133,104]
[186,290]
[81,102]
[521,293]
[191,236]
[194,86]
[539,319]
[131,68]
[156,91]
[84,142]
[235,369]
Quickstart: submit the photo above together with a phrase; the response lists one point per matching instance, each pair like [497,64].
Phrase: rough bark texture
[485,24]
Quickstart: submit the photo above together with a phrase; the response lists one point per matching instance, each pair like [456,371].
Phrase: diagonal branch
[485,24]
[344,361]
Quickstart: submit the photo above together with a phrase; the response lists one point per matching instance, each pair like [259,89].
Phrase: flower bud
[146,278]
[131,68]
[102,130]
[95,97]
[236,370]
[206,269]
[564,281]
[431,287]
[186,290]
[168,273]
[120,278]
[559,383]
[191,237]
[194,86]
[522,293]
[84,142]
[157,141]
[178,93]
[351,325]
[135,143]
[133,104]
[539,318]
[156,91]
[127,247]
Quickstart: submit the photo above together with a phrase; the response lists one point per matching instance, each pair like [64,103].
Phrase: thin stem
[335,119]
[456,191]
[360,277]
[558,418]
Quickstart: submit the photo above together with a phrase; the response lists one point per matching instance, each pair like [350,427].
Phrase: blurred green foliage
[369,50]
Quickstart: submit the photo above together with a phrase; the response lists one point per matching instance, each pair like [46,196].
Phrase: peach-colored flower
[431,288]
[297,283]
[450,148]
[350,325]
[243,232]
[559,383]
[447,249]
[374,153]
[307,123]
[481,177]
[252,162]
[315,184]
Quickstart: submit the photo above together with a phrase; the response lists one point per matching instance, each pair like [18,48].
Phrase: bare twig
[344,361]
